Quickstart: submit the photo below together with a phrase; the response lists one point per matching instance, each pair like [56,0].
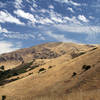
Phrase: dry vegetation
[53,71]
[92,95]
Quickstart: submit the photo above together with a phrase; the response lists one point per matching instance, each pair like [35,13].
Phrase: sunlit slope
[63,78]
[43,51]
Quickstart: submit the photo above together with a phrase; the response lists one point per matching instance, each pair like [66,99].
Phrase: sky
[26,23]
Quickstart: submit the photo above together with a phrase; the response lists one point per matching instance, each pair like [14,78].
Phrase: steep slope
[79,74]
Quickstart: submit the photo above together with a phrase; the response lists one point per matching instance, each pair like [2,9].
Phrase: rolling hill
[52,71]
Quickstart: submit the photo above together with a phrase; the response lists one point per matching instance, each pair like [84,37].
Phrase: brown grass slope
[65,78]
[43,51]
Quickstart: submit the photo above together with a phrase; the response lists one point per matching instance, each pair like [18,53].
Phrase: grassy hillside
[73,75]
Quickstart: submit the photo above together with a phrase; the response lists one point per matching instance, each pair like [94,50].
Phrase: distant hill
[43,51]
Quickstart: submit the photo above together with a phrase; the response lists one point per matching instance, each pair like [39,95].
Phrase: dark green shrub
[2,67]
[41,70]
[3,97]
[15,74]
[74,74]
[86,67]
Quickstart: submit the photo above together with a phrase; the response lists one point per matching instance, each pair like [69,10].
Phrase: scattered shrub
[41,70]
[93,48]
[15,74]
[86,67]
[3,97]
[50,67]
[30,73]
[2,67]
[74,74]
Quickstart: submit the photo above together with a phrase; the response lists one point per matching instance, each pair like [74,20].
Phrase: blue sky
[25,23]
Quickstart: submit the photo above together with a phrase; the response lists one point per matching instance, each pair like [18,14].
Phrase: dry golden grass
[12,59]
[55,83]
[88,95]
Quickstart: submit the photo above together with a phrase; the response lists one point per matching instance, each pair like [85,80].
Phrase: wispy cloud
[74,3]
[7,17]
[70,9]
[68,2]
[51,7]
[18,3]
[41,37]
[85,29]
[17,35]
[3,30]
[71,20]
[25,15]
[45,21]
[83,18]
[57,18]
[7,46]
[59,37]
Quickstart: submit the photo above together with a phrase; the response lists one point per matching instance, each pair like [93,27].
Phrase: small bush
[50,67]
[3,97]
[86,67]
[2,67]
[41,70]
[30,73]
[15,74]
[74,74]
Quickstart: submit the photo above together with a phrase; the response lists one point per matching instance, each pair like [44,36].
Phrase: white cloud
[18,3]
[32,9]
[63,1]
[83,18]
[53,17]
[74,3]
[71,20]
[43,11]
[25,15]
[91,17]
[29,1]
[41,37]
[17,35]
[59,37]
[70,9]
[78,28]
[34,4]
[68,2]
[57,18]
[6,17]
[45,21]
[51,7]
[6,46]
[3,30]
